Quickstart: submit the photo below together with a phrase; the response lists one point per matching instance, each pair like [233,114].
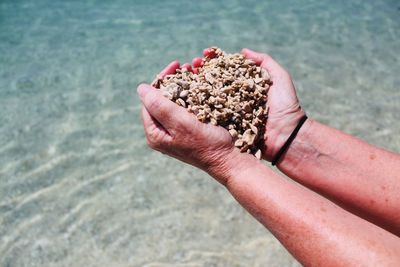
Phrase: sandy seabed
[78,185]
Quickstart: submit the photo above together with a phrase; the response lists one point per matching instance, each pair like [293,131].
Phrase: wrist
[230,165]
[277,136]
[299,150]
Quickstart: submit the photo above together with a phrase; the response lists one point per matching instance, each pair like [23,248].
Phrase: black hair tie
[278,155]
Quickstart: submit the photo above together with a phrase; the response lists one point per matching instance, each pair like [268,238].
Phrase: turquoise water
[79,187]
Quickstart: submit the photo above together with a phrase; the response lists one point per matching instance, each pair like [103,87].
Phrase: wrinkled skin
[284,108]
[335,236]
[172,130]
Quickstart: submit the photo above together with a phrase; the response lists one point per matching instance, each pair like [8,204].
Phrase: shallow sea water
[78,185]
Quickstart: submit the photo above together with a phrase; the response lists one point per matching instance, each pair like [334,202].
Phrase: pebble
[227,90]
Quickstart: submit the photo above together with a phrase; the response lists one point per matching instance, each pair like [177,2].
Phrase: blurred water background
[78,185]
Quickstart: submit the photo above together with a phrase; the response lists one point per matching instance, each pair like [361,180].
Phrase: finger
[155,133]
[265,61]
[150,123]
[209,52]
[170,69]
[197,62]
[187,66]
[171,116]
[258,58]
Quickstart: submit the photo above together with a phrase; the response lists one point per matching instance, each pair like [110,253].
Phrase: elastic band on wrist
[283,149]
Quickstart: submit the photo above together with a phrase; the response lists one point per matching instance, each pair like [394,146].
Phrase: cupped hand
[174,131]
[284,107]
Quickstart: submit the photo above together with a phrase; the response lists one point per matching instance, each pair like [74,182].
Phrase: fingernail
[186,66]
[143,89]
[209,52]
[197,62]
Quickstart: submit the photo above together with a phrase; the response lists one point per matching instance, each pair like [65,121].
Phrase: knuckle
[156,141]
[154,145]
[152,141]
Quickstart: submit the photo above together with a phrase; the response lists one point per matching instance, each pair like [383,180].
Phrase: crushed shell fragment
[228,90]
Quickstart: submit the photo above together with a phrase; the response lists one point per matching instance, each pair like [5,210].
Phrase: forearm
[313,229]
[363,178]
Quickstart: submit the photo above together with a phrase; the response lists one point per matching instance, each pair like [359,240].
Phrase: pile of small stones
[228,90]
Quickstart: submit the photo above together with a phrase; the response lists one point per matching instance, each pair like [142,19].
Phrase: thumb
[167,113]
[265,61]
